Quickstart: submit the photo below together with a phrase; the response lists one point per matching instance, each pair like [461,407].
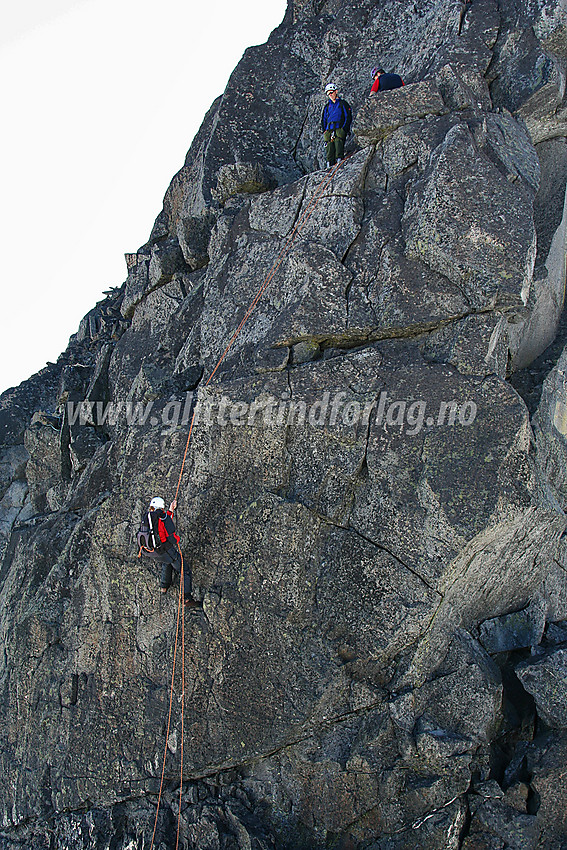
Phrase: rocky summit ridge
[372,500]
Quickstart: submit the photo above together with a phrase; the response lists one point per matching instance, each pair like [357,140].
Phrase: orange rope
[278,261]
[185,454]
[306,215]
[181,593]
[168,718]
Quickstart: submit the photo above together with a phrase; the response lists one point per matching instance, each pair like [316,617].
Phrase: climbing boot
[189,602]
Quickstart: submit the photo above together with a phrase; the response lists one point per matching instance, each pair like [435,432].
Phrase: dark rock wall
[372,501]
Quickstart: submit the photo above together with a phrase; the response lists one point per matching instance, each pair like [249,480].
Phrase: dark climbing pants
[171,560]
[336,146]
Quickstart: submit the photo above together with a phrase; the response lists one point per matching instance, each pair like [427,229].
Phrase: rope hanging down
[304,218]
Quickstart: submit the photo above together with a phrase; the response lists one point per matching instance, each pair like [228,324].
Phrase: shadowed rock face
[373,527]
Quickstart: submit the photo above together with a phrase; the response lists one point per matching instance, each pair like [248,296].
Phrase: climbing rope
[181,603]
[171,692]
[304,218]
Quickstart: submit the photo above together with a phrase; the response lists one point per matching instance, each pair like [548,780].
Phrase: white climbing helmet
[157,504]
[331,87]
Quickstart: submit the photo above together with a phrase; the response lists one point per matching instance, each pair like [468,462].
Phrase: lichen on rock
[372,499]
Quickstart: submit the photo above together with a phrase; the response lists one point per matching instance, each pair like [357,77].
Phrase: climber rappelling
[335,124]
[384,81]
[158,539]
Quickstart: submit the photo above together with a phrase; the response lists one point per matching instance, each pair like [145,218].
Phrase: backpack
[348,122]
[145,536]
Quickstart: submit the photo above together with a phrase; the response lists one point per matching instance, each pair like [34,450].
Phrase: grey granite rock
[546,762]
[550,428]
[490,258]
[362,495]
[12,466]
[500,826]
[517,630]
[386,111]
[545,678]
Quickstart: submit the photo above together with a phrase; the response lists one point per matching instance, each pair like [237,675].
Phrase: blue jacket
[335,115]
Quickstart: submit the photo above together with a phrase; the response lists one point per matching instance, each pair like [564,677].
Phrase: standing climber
[158,539]
[335,124]
[384,81]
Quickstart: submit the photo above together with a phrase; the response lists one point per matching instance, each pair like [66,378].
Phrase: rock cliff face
[372,501]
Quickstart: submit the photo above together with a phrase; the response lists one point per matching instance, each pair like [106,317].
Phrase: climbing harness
[304,218]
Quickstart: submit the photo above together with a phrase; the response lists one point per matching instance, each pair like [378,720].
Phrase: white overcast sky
[99,102]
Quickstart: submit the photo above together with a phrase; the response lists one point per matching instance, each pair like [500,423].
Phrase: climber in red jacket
[164,547]
[384,81]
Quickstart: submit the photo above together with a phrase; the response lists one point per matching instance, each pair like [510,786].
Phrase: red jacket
[163,528]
